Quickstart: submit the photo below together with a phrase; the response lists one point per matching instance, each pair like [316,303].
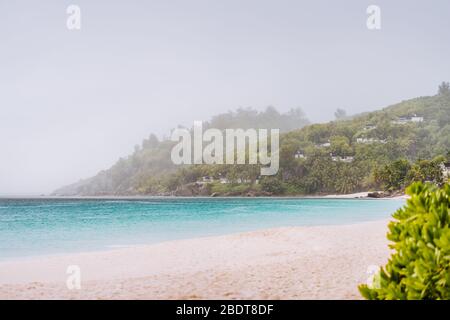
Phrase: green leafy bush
[420,266]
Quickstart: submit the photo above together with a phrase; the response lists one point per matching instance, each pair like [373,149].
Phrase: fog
[73,101]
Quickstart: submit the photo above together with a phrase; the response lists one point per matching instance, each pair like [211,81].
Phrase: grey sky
[73,102]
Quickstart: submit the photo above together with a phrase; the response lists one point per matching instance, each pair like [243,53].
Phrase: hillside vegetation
[149,170]
[384,149]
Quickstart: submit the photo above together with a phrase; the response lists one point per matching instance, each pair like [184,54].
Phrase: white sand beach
[324,262]
[361,195]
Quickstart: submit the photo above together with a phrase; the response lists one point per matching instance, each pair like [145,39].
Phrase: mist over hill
[342,156]
[144,171]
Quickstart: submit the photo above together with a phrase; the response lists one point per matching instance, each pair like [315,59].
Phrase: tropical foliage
[401,173]
[420,235]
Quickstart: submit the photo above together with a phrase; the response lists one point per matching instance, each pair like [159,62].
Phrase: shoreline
[120,247]
[357,195]
[317,262]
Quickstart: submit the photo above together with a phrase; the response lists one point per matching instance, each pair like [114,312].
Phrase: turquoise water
[31,227]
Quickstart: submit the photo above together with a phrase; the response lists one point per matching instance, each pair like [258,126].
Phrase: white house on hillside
[224,180]
[300,155]
[445,167]
[369,140]
[347,159]
[325,145]
[403,120]
[369,127]
[415,118]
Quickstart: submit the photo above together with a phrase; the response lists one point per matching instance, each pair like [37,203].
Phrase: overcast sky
[73,102]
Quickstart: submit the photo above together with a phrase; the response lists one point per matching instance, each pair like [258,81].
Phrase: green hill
[149,170]
[337,157]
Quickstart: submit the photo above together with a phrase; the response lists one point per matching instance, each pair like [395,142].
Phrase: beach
[317,262]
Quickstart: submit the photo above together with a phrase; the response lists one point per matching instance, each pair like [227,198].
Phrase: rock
[378,194]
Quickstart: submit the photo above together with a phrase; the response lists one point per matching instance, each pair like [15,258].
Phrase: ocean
[33,227]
